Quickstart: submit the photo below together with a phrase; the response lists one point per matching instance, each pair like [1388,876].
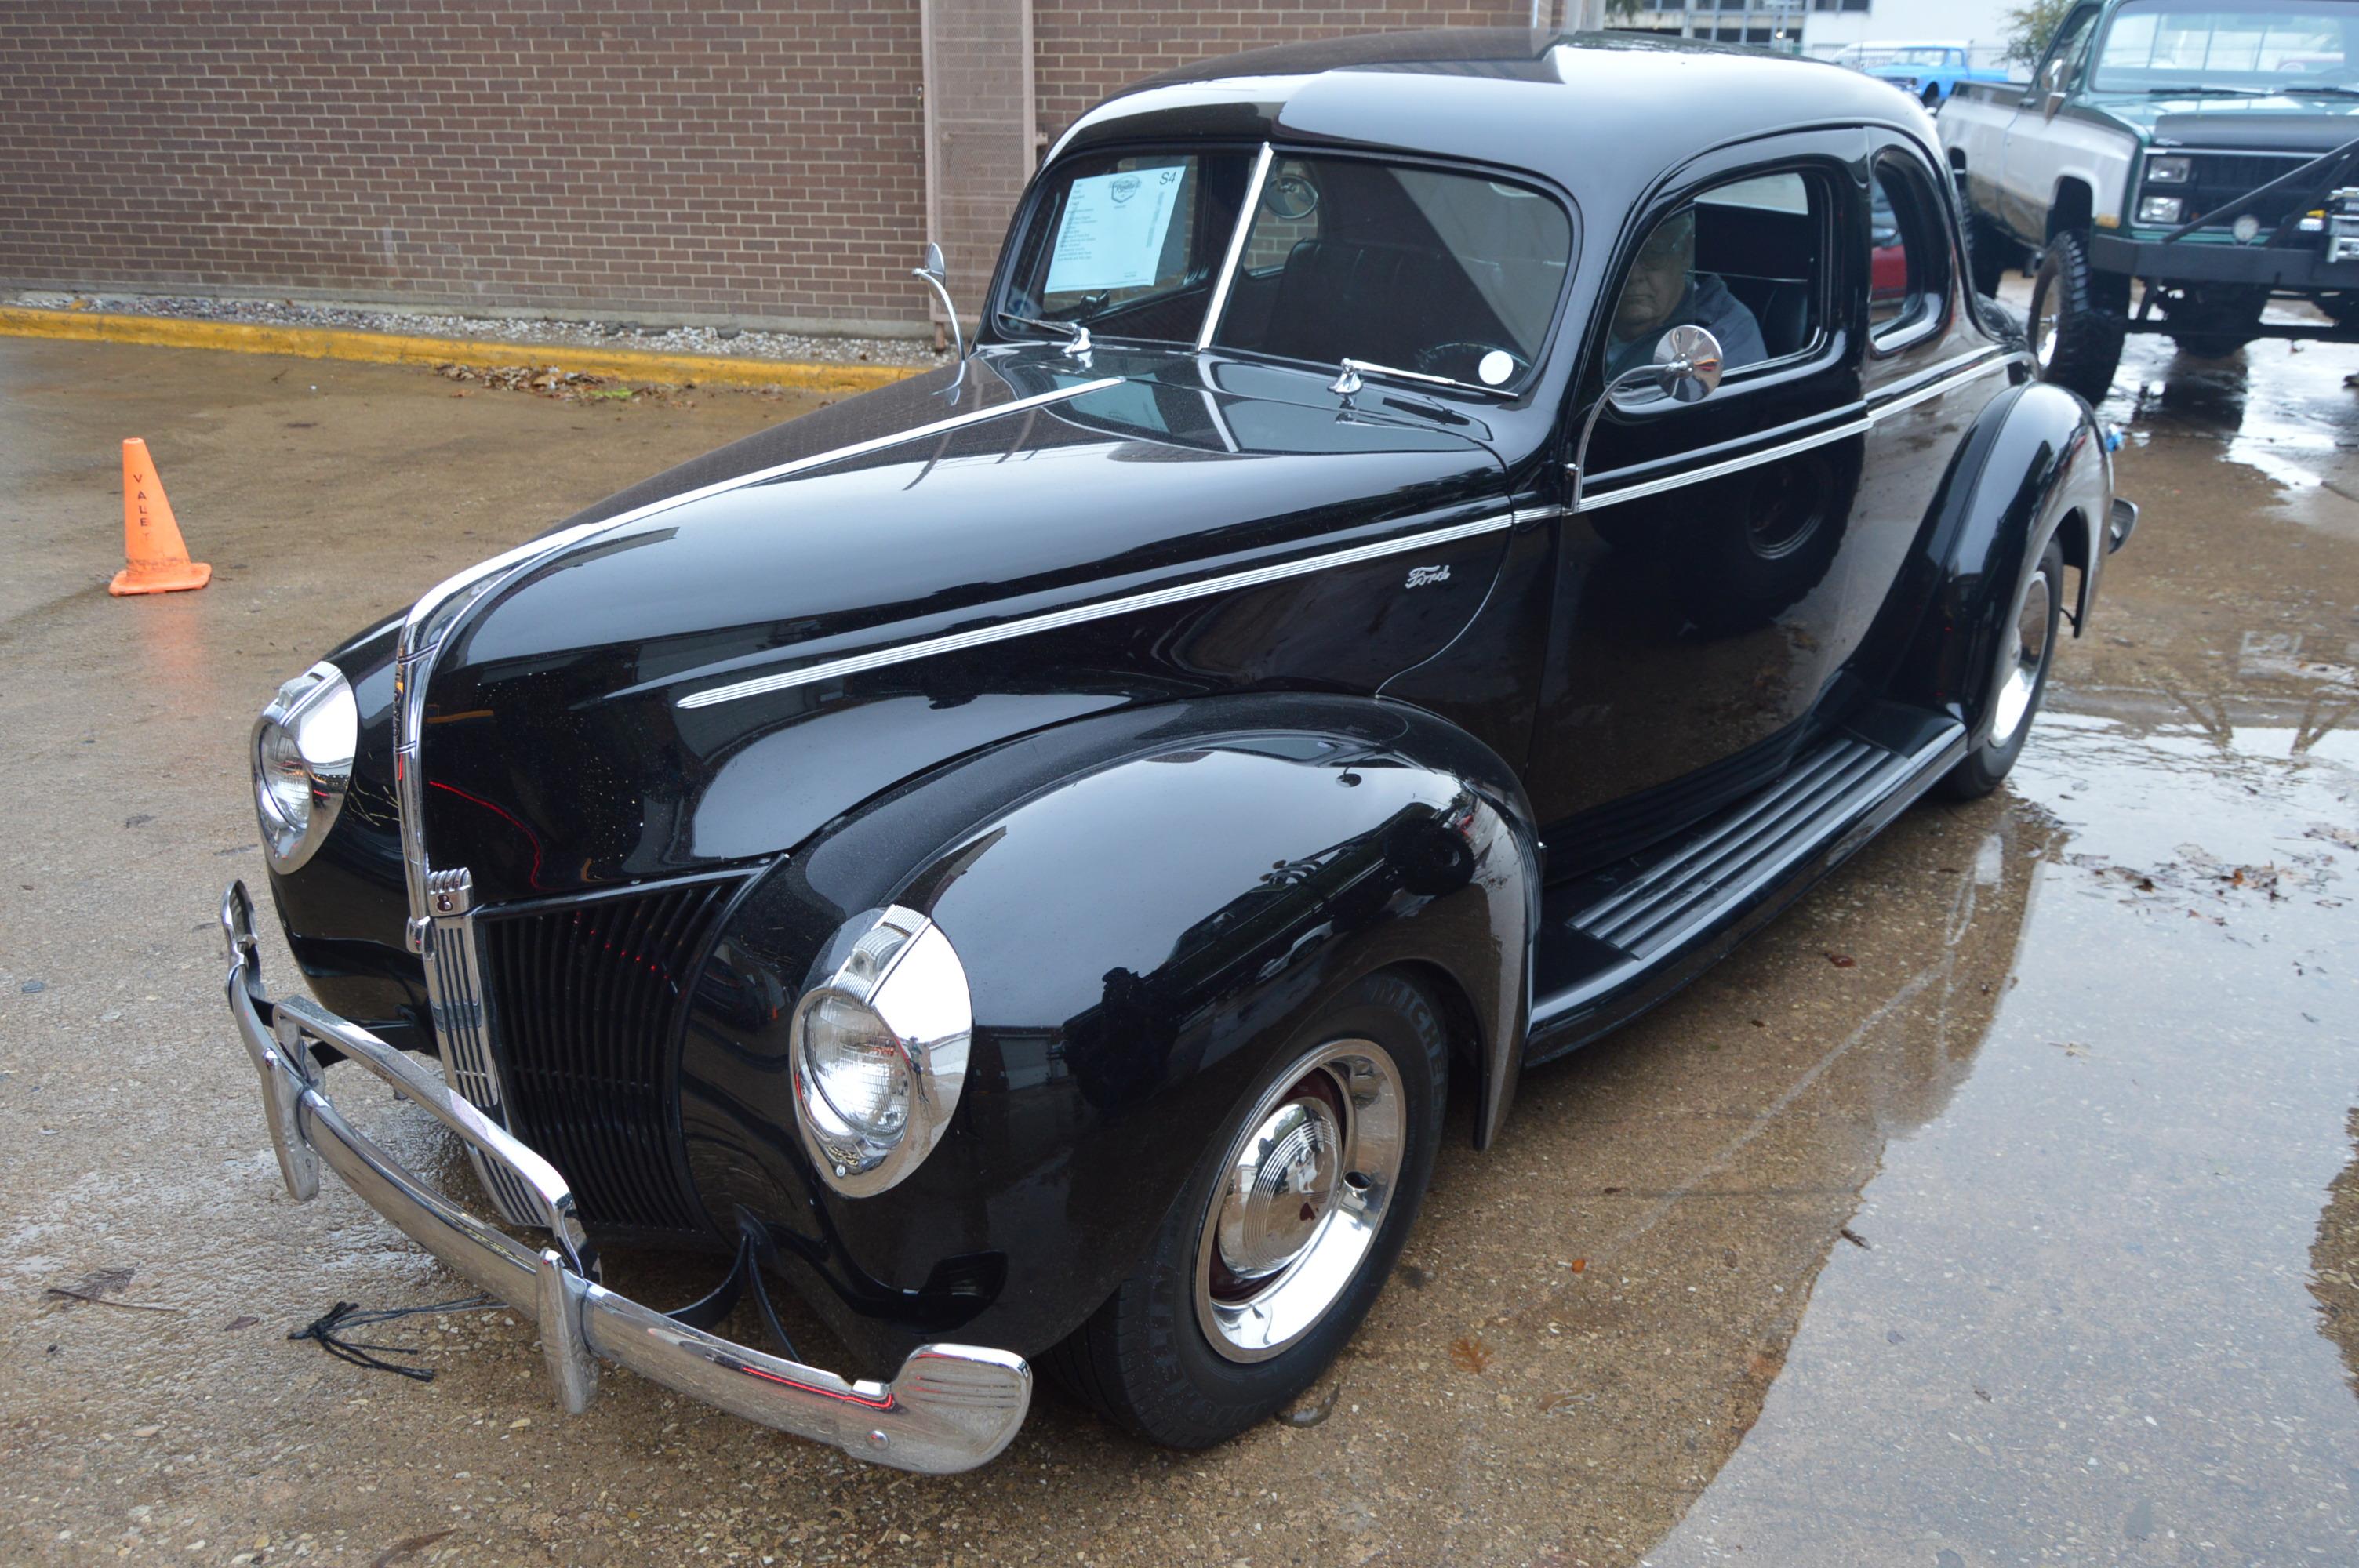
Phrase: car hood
[557,753]
[2291,122]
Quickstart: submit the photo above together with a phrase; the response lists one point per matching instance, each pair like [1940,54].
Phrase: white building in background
[1823,27]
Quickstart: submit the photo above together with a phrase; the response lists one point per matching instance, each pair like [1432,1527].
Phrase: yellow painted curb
[390,348]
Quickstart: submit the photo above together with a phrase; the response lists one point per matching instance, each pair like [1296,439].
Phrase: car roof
[1572,107]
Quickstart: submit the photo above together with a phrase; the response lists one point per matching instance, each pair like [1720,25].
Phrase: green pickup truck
[2206,149]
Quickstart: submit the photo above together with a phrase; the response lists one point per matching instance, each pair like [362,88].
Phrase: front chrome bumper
[950,1408]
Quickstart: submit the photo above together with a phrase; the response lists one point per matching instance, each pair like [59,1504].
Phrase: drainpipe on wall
[980,134]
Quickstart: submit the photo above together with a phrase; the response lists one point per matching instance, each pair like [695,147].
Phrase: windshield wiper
[1077,336]
[2206,93]
[1348,380]
[2318,89]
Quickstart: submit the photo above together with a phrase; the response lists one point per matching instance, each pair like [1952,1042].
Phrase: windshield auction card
[1114,230]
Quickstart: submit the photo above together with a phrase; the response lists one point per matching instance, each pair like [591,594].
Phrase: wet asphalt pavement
[1994,1205]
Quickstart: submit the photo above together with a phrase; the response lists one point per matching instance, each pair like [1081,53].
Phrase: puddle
[2279,407]
[2112,1309]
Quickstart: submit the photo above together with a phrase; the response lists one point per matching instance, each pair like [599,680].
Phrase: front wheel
[1285,1232]
[2019,682]
[2078,316]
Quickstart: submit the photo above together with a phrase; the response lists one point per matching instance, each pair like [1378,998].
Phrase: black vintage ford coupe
[1439,537]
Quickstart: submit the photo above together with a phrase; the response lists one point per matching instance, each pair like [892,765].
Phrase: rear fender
[2032,469]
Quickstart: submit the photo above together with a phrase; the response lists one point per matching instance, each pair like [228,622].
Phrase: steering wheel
[1430,360]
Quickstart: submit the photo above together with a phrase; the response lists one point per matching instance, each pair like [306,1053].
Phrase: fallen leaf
[1579,1264]
[1854,1238]
[1842,960]
[1470,1355]
[240,1323]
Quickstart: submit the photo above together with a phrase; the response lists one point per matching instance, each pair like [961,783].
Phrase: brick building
[774,162]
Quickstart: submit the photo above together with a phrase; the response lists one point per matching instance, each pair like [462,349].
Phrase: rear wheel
[2019,681]
[1284,1235]
[2078,316]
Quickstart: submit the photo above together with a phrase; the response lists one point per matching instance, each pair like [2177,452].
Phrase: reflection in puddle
[2087,1329]
[2288,423]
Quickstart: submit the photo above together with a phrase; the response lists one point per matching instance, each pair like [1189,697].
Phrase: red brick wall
[757,161]
[1083,49]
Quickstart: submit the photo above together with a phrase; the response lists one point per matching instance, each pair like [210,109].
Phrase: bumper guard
[952,1407]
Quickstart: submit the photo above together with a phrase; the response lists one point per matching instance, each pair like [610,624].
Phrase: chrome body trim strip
[1849,428]
[1079,614]
[1979,363]
[1220,300]
[951,1407]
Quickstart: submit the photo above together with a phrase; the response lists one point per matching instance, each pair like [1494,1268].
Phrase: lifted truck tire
[1989,251]
[2078,316]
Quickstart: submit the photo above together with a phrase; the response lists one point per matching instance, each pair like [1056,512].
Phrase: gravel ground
[787,346]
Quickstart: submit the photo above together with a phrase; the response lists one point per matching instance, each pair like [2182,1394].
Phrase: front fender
[1147,907]
[2034,467]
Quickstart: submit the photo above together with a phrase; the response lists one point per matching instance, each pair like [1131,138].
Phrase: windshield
[1444,275]
[2262,45]
[1439,274]
[1127,245]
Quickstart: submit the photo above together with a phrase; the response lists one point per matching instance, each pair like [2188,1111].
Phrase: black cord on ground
[327,1328]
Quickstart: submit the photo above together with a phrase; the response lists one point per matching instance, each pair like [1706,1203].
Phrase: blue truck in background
[1929,72]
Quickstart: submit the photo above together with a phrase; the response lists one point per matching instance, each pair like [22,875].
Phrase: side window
[1908,253]
[2070,44]
[1740,260]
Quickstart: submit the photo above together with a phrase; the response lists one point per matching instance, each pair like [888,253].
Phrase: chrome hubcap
[1281,1189]
[1303,1192]
[2019,668]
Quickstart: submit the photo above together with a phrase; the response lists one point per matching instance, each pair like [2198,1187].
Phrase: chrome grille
[454,995]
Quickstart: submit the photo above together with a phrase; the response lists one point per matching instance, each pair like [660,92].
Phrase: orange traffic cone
[155,561]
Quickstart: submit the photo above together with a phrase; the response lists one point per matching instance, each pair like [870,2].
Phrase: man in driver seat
[1665,291]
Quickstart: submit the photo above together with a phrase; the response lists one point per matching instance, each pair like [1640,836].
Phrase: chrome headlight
[303,746]
[879,1045]
[2160,209]
[2173,169]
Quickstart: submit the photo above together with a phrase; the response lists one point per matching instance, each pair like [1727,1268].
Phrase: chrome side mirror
[2052,81]
[934,275]
[1687,364]
[1685,369]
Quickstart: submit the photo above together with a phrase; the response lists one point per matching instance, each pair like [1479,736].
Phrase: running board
[1618,940]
